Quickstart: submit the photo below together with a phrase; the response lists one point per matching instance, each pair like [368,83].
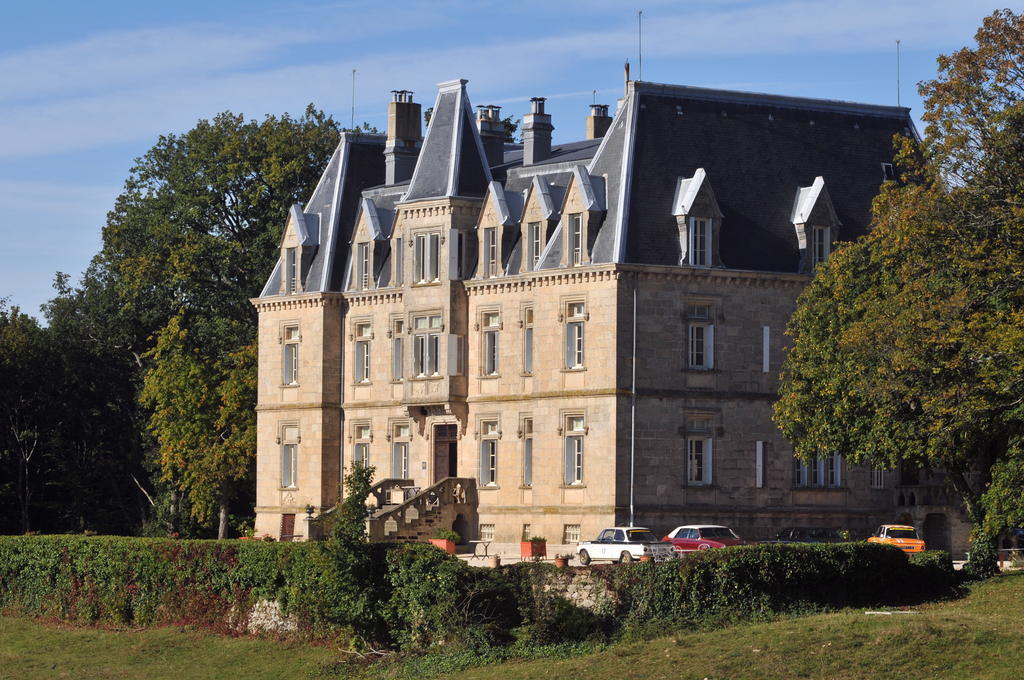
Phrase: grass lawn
[980,636]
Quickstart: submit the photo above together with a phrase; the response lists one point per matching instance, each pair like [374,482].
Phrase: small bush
[933,572]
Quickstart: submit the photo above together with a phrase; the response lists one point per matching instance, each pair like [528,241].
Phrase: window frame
[289,455]
[290,355]
[363,335]
[535,244]
[574,449]
[490,326]
[700,241]
[528,340]
[490,433]
[490,252]
[575,335]
[576,239]
[526,427]
[427,346]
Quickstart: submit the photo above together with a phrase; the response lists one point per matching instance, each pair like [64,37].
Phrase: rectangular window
[528,340]
[700,242]
[877,478]
[426,252]
[288,464]
[290,364]
[576,239]
[527,532]
[574,433]
[397,350]
[574,332]
[820,244]
[486,532]
[491,327]
[571,533]
[399,256]
[363,266]
[290,271]
[490,253]
[361,454]
[400,460]
[533,236]
[834,471]
[426,343]
[489,452]
[701,345]
[826,472]
[362,367]
[698,450]
[527,451]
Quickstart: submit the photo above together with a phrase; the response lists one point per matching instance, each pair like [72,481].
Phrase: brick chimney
[598,121]
[405,135]
[492,133]
[537,129]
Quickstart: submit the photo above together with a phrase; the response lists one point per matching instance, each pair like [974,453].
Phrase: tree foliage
[190,240]
[909,344]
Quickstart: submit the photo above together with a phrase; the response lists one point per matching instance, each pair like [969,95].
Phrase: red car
[702,537]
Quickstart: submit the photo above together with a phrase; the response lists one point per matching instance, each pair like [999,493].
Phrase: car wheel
[626,557]
[584,558]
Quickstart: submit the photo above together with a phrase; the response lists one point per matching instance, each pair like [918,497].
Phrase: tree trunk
[983,560]
[222,524]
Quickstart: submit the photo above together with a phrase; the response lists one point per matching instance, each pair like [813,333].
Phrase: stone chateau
[544,339]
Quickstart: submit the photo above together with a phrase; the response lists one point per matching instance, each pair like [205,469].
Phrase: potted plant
[562,561]
[445,539]
[534,547]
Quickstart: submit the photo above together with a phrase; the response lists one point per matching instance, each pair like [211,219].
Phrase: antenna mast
[640,45]
[897,73]
[352,124]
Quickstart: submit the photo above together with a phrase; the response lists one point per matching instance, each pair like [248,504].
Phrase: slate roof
[760,152]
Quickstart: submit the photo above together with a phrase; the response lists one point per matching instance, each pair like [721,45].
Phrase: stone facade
[480,319]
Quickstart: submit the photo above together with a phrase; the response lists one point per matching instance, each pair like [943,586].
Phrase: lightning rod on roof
[640,45]
[352,124]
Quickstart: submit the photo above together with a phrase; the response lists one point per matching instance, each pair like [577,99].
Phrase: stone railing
[450,503]
[390,491]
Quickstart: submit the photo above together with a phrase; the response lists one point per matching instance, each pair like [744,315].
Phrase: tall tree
[909,345]
[190,240]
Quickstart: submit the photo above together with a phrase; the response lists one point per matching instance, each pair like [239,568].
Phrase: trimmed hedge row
[423,597]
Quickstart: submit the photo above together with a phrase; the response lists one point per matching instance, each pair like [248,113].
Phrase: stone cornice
[298,406]
[296,301]
[364,298]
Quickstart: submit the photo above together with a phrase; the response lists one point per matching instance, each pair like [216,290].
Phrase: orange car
[900,535]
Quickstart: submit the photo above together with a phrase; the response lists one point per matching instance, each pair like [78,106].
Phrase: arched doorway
[936,531]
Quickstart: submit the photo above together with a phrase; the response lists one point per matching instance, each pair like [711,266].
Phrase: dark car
[807,535]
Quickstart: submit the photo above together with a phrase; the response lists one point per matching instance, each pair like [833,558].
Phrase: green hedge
[143,581]
[413,596]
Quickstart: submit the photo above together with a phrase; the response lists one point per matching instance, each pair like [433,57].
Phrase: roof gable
[452,161]
[814,205]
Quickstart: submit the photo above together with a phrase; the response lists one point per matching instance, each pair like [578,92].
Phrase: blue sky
[86,87]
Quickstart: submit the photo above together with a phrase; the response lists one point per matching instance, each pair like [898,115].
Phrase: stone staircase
[405,514]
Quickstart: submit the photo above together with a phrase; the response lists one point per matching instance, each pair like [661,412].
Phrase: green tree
[192,237]
[909,345]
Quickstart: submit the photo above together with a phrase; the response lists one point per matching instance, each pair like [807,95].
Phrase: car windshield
[641,536]
[717,532]
[902,533]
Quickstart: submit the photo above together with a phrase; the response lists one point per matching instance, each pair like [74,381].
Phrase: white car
[624,544]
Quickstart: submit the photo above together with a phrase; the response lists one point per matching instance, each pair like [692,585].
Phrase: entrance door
[445,452]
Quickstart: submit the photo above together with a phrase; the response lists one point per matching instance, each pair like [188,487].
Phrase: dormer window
[490,253]
[533,240]
[700,242]
[697,217]
[363,266]
[576,239]
[821,244]
[291,271]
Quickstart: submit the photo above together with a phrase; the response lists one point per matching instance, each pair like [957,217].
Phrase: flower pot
[646,558]
[444,544]
[533,549]
[494,561]
[561,561]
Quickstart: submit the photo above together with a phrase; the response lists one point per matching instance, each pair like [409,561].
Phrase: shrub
[933,572]
[447,535]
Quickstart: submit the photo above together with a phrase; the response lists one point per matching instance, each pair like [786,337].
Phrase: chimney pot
[492,133]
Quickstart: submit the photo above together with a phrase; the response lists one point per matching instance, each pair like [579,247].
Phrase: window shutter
[709,346]
[453,254]
[568,460]
[396,462]
[707,460]
[483,462]
[765,348]
[399,253]
[284,365]
[568,345]
[396,359]
[759,464]
[454,367]
[495,355]
[528,462]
